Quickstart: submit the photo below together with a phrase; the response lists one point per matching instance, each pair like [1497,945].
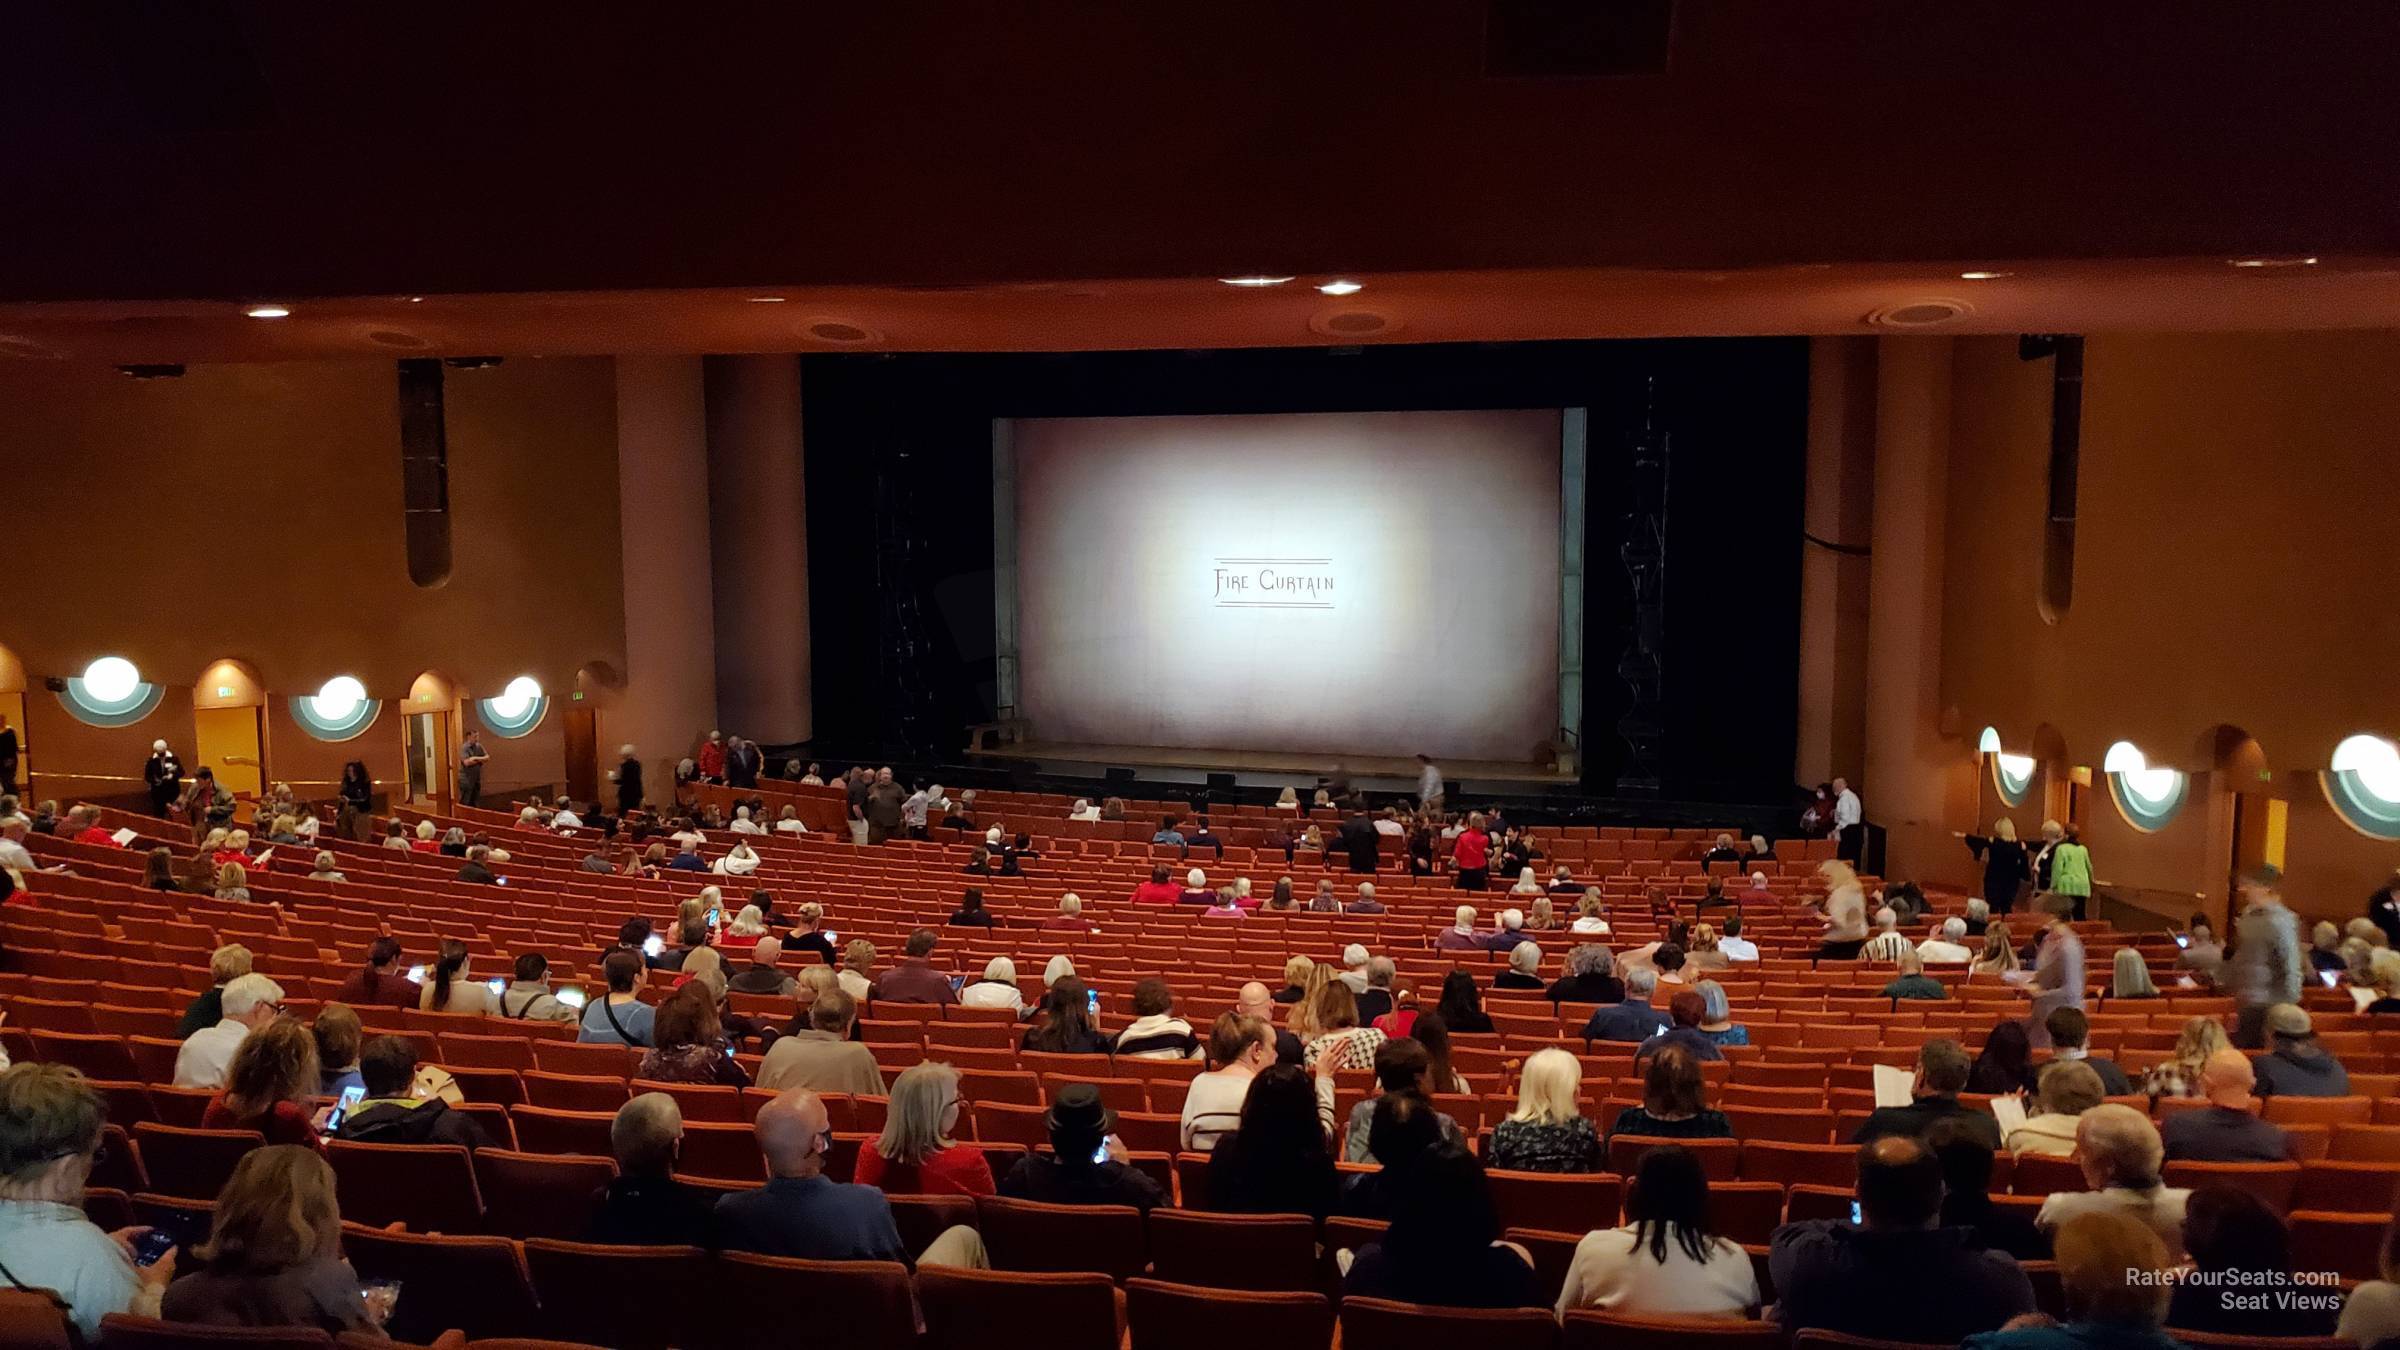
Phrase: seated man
[915,980]
[2070,1038]
[2224,1130]
[2122,1156]
[1632,1019]
[1912,981]
[645,1206]
[1900,1275]
[1950,946]
[393,1113]
[822,1057]
[248,1003]
[1732,945]
[1941,1075]
[802,1212]
[764,974]
[1085,1165]
[1366,903]
[2295,1065]
[1377,1000]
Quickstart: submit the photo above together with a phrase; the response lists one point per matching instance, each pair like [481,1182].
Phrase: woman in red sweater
[270,1087]
[915,1155]
[1471,856]
[1157,890]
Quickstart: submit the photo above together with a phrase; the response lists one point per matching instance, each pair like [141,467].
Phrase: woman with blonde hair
[1334,1030]
[790,822]
[274,1253]
[2068,1089]
[1548,1131]
[915,1154]
[233,883]
[326,868]
[1302,1022]
[815,982]
[705,966]
[1543,914]
[1845,912]
[1296,971]
[2131,976]
[271,1086]
[748,926]
[1999,954]
[2179,1076]
[858,969]
[1588,916]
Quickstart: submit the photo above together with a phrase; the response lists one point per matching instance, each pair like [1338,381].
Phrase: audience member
[1632,1019]
[1240,1047]
[449,988]
[339,1038]
[1067,1024]
[2295,1065]
[2005,1067]
[688,1043]
[225,965]
[2121,1156]
[2224,1130]
[2070,1039]
[644,1205]
[1672,1102]
[915,980]
[2370,1316]
[1548,1131]
[997,988]
[1155,1031]
[857,975]
[2068,1089]
[1252,1001]
[274,1253]
[915,1154]
[1912,982]
[396,1110]
[1941,1076]
[1966,1193]
[248,1003]
[1328,1028]
[821,1057]
[1354,968]
[1443,1246]
[1400,1066]
[1086,1164]
[802,1212]
[1899,1274]
[764,974]
[618,1017]
[1277,1161]
[1591,977]
[380,983]
[1686,1011]
[270,1086]
[1716,1015]
[2114,1280]
[1667,1261]
[51,1124]
[2130,976]
[528,996]
[1949,947]
[2239,1246]
[2179,1076]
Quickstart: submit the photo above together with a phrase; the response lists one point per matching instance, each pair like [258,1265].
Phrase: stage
[1269,768]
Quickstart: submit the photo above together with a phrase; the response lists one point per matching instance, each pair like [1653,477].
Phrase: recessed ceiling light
[416,299]
[1341,288]
[766,299]
[2271,262]
[1982,276]
[1254,281]
[267,312]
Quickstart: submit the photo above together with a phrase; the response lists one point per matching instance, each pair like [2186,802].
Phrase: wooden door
[227,741]
[582,729]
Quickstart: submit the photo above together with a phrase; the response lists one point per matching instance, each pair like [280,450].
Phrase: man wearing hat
[2295,1065]
[1086,1165]
[2224,1130]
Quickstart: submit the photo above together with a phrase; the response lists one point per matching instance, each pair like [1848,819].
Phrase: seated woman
[1716,1015]
[1158,890]
[689,1044]
[1672,1093]
[1066,1025]
[1548,1131]
[1524,965]
[1591,977]
[1443,1246]
[970,912]
[2130,976]
[1588,915]
[2006,1065]
[274,1253]
[915,1154]
[2069,1088]
[1666,1262]
[448,987]
[2234,1240]
[1295,979]
[1196,890]
[1461,1004]
[339,1037]
[1328,1026]
[50,1131]
[271,1086]
[1277,1160]
[233,883]
[997,988]
[739,861]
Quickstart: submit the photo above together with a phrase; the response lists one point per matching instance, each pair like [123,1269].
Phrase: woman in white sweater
[1666,1262]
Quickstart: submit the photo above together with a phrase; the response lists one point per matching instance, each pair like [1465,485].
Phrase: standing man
[629,781]
[1361,842]
[471,756]
[8,761]
[1429,784]
[856,784]
[162,771]
[2267,959]
[884,801]
[1849,827]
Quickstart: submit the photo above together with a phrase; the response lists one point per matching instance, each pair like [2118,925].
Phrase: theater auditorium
[1668,674]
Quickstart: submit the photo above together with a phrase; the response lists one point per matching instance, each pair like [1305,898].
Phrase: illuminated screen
[1359,583]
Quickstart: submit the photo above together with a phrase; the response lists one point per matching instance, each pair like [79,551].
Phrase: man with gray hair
[1950,945]
[1354,969]
[1979,916]
[645,1206]
[1591,977]
[802,1212]
[248,1004]
[1377,1000]
[2122,1156]
[1366,903]
[1461,934]
[1632,1019]
[1507,932]
[821,1056]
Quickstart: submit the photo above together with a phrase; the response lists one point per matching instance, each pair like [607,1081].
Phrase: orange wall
[2233,565]
[253,512]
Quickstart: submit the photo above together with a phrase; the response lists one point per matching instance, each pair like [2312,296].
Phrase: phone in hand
[351,1096]
[1100,1154]
[833,937]
[2329,977]
[153,1245]
[2183,939]
[653,945]
[416,974]
[497,986]
[1092,1001]
[573,998]
[1857,1213]
[712,918]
